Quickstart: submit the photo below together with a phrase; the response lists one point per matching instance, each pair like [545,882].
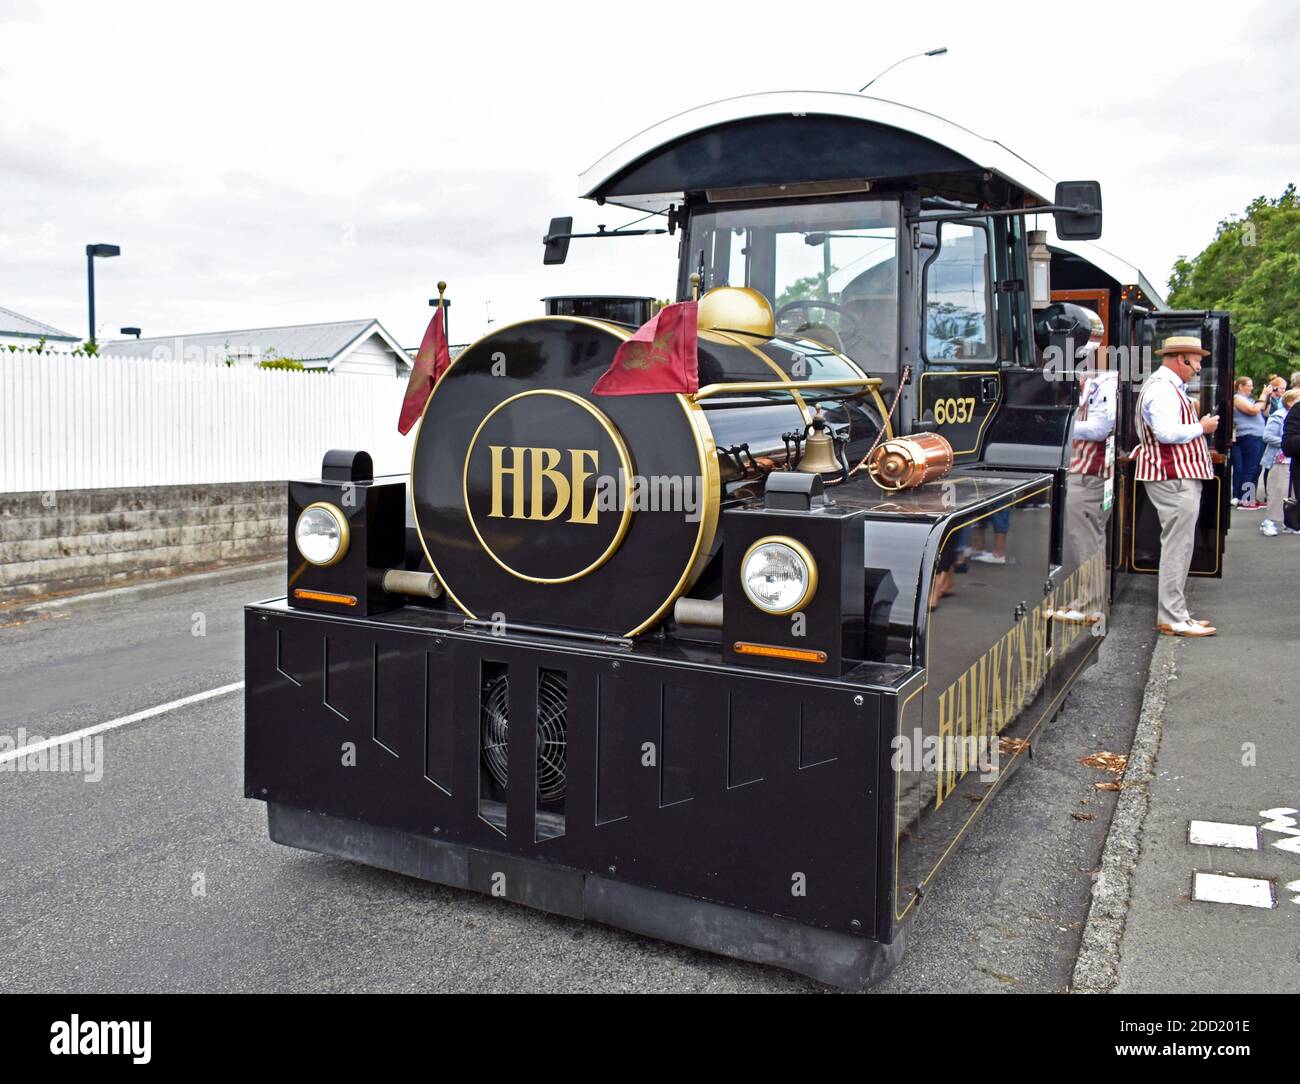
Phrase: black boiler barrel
[541,502]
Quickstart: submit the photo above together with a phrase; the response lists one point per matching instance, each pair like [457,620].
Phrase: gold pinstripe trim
[988,416]
[781,373]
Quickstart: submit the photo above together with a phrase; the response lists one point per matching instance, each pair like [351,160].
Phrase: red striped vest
[1156,462]
[1087,456]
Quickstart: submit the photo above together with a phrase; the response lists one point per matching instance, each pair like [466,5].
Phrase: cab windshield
[830,269]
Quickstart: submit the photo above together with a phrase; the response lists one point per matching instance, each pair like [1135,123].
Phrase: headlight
[779,575]
[322,534]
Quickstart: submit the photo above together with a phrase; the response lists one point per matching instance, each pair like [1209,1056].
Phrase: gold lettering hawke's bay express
[974,709]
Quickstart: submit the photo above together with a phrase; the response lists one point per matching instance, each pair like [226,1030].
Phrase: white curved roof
[987,153]
[1123,272]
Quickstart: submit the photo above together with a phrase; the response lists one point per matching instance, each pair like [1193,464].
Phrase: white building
[347,346]
[24,332]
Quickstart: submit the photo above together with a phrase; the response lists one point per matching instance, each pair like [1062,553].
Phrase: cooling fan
[552,703]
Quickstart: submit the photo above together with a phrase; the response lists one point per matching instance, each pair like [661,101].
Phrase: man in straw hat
[1172,460]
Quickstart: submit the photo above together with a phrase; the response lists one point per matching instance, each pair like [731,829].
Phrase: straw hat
[1183,344]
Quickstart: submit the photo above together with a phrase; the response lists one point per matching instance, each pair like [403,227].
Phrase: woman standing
[1247,444]
[1271,396]
[1280,480]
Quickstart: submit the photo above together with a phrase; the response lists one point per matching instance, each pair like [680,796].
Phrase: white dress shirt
[1099,395]
[1162,409]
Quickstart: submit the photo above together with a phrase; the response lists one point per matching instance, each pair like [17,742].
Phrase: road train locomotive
[735,665]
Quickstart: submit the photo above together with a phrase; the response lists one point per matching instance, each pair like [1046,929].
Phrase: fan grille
[552,701]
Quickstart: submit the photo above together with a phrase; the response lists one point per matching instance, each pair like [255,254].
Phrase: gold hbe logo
[530,470]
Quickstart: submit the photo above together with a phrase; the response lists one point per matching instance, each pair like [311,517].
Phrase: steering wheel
[852,326]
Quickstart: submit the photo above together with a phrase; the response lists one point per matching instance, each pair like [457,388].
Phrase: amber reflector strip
[771,651]
[326,596]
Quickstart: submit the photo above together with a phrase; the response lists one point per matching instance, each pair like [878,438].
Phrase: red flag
[661,357]
[431,361]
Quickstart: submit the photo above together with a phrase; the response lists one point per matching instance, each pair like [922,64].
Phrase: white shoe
[1288,530]
[1268,529]
[1187,628]
[1235,502]
[988,558]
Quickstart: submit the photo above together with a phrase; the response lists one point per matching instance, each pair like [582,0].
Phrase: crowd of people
[1263,447]
[1172,461]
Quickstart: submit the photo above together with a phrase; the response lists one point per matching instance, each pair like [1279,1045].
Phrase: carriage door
[1212,392]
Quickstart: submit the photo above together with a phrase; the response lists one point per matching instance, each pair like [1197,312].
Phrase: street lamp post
[929,52]
[91,252]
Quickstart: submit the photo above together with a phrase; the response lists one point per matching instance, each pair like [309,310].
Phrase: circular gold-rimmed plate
[536,475]
[673,495]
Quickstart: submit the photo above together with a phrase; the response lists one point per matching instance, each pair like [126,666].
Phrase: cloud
[262,168]
[19,11]
[246,248]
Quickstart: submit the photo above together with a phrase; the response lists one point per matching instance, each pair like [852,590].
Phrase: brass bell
[819,450]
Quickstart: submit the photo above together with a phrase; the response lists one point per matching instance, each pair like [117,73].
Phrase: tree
[281,363]
[809,288]
[1252,269]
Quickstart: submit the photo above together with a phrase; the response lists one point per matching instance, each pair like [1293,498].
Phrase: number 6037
[954,411]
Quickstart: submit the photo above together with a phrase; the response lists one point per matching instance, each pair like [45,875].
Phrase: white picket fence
[94,423]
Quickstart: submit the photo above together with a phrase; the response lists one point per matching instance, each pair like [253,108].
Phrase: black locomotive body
[545,668]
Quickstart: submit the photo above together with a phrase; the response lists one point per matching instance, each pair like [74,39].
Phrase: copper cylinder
[907,462]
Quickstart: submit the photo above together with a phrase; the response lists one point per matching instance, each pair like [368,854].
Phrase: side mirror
[557,240]
[1082,221]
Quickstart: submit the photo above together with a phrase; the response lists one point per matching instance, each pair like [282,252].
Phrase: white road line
[113,724]
[1244,837]
[1243,891]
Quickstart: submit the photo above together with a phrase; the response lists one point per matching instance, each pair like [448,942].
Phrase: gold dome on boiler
[737,308]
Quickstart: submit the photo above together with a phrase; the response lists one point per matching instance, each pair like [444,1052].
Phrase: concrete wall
[82,540]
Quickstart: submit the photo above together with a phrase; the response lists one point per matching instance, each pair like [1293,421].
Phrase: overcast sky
[268,163]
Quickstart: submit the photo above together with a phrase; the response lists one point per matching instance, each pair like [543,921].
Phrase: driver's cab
[887,234]
[829,269]
[892,237]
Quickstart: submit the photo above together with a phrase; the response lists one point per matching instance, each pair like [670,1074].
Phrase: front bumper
[742,812]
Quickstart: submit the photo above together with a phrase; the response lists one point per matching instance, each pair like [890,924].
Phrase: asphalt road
[160,876]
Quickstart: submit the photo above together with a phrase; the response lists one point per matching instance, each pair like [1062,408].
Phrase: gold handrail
[741,387]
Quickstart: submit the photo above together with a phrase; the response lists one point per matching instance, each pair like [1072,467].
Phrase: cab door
[1212,394]
[959,387]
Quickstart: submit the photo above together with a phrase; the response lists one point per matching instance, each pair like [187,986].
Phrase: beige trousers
[1177,503]
[1279,485]
[1085,522]
[1085,531]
